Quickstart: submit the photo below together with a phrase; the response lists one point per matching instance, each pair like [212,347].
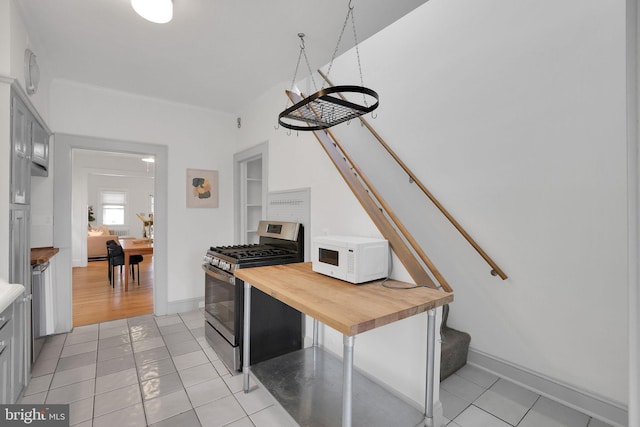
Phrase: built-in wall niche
[254,198]
[250,183]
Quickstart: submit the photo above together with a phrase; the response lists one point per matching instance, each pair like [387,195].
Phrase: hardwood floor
[94,300]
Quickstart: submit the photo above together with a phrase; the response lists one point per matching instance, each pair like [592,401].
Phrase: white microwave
[350,258]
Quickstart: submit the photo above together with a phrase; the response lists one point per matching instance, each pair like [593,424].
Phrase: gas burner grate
[241,252]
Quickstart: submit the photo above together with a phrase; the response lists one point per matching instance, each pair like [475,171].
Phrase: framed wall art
[202,188]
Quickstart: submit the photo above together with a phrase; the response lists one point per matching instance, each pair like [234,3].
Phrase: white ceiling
[216,54]
[111,163]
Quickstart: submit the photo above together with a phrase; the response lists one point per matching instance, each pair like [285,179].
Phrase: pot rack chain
[355,39]
[302,53]
[338,109]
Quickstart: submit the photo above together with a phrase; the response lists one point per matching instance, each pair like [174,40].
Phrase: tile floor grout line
[135,365]
[177,373]
[193,408]
[55,369]
[95,383]
[529,410]
[497,416]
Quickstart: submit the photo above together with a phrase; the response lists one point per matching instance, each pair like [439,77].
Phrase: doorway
[117,191]
[66,210]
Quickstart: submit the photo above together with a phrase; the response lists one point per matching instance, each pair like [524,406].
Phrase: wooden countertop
[348,308]
[42,255]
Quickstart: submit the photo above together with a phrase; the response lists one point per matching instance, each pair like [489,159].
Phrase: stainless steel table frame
[347,355]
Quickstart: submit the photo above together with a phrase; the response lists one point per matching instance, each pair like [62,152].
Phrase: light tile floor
[160,371]
[147,370]
[473,397]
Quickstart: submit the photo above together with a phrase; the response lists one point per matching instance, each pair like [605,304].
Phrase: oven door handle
[224,276]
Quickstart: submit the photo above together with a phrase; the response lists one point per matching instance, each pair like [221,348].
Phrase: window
[113,207]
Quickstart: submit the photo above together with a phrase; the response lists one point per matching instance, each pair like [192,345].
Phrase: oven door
[220,302]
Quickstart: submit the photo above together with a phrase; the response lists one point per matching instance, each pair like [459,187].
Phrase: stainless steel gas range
[276,328]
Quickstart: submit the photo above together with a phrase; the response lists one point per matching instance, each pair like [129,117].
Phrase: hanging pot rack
[321,110]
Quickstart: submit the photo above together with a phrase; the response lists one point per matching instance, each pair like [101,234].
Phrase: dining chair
[115,256]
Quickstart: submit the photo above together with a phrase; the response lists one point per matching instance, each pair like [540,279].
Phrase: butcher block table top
[348,308]
[42,255]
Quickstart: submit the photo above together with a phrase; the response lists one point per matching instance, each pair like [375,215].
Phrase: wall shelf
[252,194]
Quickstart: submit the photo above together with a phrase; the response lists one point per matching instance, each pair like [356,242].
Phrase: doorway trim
[62,211]
[633,197]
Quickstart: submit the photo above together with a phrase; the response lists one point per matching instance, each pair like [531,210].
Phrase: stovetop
[230,258]
[280,243]
[249,252]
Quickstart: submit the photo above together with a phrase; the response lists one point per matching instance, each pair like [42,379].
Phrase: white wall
[138,201]
[513,114]
[519,128]
[20,40]
[196,138]
[41,187]
[95,171]
[394,354]
[12,53]
[5,38]
[14,39]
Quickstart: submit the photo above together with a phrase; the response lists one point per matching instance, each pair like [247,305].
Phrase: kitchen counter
[42,255]
[347,308]
[350,309]
[8,293]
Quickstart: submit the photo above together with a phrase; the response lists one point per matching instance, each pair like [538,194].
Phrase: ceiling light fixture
[158,11]
[148,159]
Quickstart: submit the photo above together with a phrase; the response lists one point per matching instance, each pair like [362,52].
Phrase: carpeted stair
[454,349]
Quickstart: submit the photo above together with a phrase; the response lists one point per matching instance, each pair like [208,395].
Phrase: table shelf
[308,384]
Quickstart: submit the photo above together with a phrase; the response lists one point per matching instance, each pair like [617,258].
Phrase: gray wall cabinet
[6,348]
[13,375]
[29,142]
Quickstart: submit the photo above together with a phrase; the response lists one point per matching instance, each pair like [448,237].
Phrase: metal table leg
[245,339]
[347,379]
[431,346]
[315,332]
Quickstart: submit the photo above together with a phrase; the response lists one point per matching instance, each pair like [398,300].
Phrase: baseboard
[597,407]
[184,305]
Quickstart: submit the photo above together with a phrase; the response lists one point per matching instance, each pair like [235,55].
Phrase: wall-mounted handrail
[365,193]
[495,269]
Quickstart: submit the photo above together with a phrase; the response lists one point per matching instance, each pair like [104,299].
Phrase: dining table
[134,247]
